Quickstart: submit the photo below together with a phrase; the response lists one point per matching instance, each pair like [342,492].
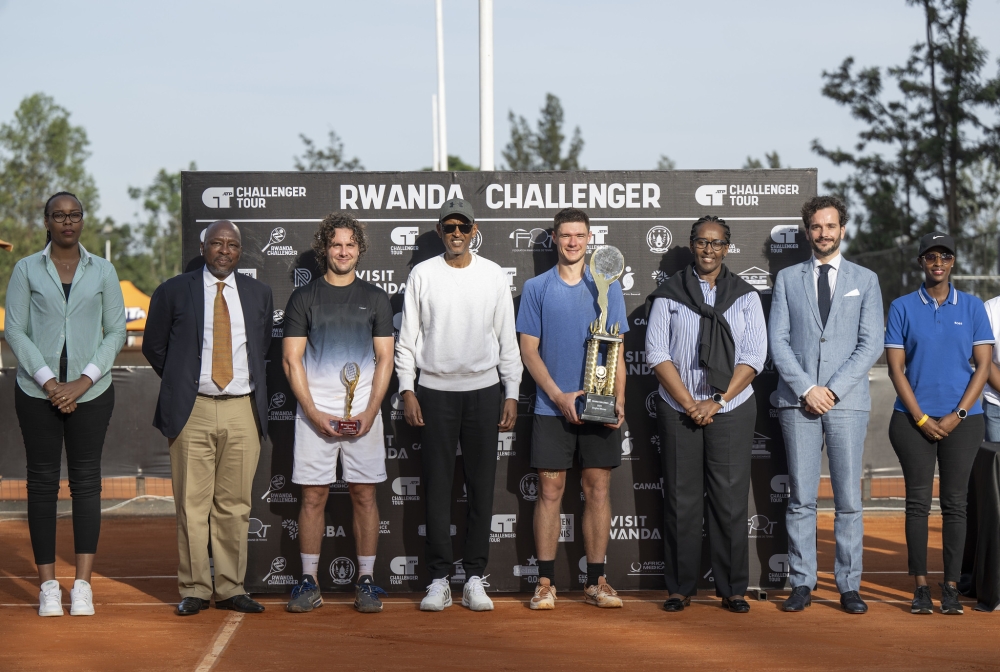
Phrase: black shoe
[737,605]
[949,600]
[676,604]
[190,606]
[800,598]
[240,603]
[922,601]
[852,602]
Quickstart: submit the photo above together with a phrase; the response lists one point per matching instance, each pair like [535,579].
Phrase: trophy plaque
[350,377]
[606,266]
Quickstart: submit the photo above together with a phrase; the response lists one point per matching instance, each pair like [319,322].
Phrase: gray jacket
[838,356]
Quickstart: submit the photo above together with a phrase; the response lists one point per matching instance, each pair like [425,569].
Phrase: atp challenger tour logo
[217,197]
[404,568]
[248,197]
[404,239]
[505,444]
[502,527]
[405,488]
[783,238]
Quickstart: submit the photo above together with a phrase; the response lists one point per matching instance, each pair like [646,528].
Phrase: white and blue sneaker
[81,599]
[438,596]
[474,594]
[366,596]
[305,596]
[50,599]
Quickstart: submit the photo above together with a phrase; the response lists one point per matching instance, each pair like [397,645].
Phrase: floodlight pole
[442,123]
[434,132]
[486,144]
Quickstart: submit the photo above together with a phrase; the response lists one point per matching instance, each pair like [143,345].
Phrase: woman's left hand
[949,422]
[65,394]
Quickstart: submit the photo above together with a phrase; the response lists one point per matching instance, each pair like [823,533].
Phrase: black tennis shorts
[554,442]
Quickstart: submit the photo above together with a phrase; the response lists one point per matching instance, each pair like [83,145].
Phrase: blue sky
[230,85]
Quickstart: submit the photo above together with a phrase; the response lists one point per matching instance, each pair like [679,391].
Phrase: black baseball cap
[457,206]
[936,239]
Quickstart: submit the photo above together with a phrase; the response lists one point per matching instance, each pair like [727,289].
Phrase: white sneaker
[474,594]
[50,599]
[81,599]
[438,596]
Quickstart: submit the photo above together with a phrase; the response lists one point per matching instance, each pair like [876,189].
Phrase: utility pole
[486,144]
[434,132]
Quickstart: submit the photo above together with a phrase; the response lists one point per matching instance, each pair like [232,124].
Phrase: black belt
[223,397]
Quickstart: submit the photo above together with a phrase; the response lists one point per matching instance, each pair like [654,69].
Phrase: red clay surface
[135,628]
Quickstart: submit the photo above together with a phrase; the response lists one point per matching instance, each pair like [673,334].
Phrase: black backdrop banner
[646,214]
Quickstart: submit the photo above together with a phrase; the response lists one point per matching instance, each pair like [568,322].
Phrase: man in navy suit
[826,332]
[207,334]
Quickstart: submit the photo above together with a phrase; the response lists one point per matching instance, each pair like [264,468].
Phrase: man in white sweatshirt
[458,329]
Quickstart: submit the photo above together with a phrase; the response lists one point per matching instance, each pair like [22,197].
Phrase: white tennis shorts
[315,455]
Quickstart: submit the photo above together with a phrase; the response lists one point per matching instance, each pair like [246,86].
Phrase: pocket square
[853,292]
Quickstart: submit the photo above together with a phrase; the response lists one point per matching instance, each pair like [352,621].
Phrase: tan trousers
[212,462]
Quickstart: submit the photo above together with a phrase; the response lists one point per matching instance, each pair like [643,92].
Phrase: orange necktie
[222,341]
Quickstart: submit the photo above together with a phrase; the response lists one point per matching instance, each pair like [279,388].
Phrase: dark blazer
[175,327]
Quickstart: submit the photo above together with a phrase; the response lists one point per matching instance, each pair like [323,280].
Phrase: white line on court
[229,627]
[110,578]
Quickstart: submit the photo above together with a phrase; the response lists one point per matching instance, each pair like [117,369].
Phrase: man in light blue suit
[826,331]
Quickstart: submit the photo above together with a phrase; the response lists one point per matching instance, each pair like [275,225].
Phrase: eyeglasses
[60,217]
[702,243]
[450,228]
[932,257]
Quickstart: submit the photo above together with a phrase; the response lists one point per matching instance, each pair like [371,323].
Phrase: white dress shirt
[831,274]
[240,384]
[992,306]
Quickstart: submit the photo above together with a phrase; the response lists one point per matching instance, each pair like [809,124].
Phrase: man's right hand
[321,421]
[818,400]
[411,409]
[566,403]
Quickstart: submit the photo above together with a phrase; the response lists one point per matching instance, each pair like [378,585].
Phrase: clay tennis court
[135,627]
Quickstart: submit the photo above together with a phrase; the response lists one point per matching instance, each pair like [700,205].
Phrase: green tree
[329,159]
[772,160]
[913,160]
[41,152]
[666,163]
[542,149]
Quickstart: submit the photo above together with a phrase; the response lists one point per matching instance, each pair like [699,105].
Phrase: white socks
[310,564]
[366,565]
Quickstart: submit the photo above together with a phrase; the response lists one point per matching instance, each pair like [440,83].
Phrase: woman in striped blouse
[706,341]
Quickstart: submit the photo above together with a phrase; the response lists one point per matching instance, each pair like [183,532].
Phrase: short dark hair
[570,215]
[328,229]
[711,219]
[817,203]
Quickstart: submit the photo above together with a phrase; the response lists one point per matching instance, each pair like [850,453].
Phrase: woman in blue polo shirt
[930,336]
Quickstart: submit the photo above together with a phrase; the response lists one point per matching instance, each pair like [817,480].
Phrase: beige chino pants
[212,462]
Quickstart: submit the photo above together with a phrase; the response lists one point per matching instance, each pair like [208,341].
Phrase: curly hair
[711,219]
[817,203]
[328,229]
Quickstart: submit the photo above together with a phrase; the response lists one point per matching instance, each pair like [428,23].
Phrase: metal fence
[976,267]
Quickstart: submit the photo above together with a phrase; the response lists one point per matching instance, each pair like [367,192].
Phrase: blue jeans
[992,413]
[845,443]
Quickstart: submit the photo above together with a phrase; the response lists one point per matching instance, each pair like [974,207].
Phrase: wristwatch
[961,413]
[718,398]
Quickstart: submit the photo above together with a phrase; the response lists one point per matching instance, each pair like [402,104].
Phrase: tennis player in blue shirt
[930,336]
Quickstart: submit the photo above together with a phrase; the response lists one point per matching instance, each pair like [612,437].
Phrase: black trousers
[955,455]
[449,417]
[44,429]
[715,461]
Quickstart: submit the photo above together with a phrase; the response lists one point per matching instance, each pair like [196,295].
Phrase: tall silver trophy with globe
[606,266]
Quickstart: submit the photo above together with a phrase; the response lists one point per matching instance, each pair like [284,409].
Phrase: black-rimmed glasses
[450,228]
[702,243]
[60,217]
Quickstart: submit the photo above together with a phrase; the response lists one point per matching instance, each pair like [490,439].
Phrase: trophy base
[346,427]
[599,408]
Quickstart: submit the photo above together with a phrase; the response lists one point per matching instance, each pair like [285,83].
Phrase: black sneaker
[922,601]
[949,600]
[366,596]
[305,597]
